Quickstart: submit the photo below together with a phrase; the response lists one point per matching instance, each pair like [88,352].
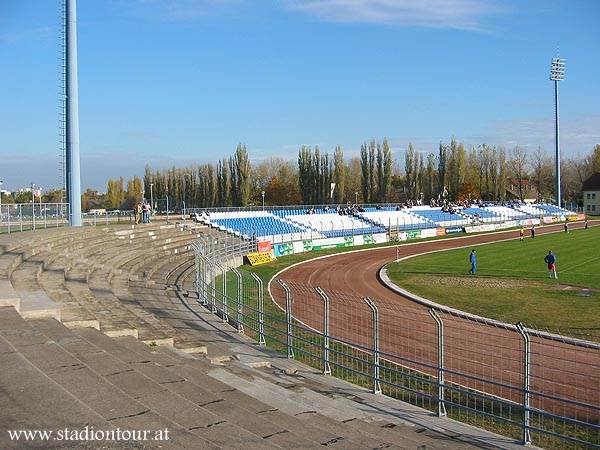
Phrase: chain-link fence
[518,382]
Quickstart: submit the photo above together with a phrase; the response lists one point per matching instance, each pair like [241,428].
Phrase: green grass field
[512,282]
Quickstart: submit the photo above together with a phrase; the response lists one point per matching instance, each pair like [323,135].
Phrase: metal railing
[16,217]
[509,379]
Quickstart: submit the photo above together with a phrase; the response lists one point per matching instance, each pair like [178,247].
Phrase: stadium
[454,304]
[203,324]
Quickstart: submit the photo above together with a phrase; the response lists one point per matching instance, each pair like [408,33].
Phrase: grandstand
[295,224]
[548,209]
[440,218]
[397,219]
[506,213]
[531,210]
[332,224]
[481,214]
[259,224]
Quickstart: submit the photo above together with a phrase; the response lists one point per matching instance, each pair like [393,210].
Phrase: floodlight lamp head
[557,70]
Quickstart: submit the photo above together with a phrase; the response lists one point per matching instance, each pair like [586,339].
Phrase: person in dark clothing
[532,231]
[566,227]
[473,261]
[586,224]
[550,259]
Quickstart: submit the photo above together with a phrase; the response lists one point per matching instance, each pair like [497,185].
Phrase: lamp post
[356,198]
[263,199]
[151,199]
[71,92]
[33,205]
[1,183]
[557,73]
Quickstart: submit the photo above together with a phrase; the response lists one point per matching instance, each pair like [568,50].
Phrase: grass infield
[512,282]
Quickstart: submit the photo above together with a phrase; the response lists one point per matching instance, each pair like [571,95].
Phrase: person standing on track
[550,259]
[586,223]
[532,231]
[473,261]
[566,227]
[522,234]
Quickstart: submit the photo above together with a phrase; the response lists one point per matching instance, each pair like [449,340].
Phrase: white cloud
[454,14]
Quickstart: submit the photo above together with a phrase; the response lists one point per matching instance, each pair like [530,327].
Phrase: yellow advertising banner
[257,258]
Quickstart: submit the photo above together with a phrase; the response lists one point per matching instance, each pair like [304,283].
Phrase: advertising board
[257,258]
[265,246]
[284,249]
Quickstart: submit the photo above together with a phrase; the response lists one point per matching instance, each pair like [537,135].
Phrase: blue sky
[172,82]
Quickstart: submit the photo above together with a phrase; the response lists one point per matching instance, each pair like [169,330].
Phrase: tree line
[455,171]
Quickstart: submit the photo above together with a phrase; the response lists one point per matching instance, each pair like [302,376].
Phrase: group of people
[550,260]
[348,210]
[522,233]
[142,212]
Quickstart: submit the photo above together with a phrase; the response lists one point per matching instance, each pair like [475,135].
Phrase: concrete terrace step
[31,400]
[108,251]
[130,354]
[188,376]
[126,398]
[8,295]
[103,312]
[330,431]
[30,244]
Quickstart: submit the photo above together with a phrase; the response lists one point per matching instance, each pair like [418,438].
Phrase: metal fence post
[203,292]
[213,280]
[205,266]
[439,325]
[223,291]
[526,436]
[197,267]
[326,365]
[238,300]
[288,319]
[261,309]
[375,324]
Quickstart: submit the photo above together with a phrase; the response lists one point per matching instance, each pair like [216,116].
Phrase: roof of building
[592,183]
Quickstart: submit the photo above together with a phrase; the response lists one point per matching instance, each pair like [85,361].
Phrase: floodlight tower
[557,73]
[73,177]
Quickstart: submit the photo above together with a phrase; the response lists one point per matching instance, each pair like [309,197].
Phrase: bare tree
[542,173]
[517,165]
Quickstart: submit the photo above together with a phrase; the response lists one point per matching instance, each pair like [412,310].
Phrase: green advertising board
[284,249]
[413,234]
[368,239]
[308,245]
[348,241]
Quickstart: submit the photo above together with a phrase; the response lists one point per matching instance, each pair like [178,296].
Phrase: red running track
[483,357]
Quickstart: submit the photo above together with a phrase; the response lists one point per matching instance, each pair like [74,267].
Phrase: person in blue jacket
[550,259]
[473,261]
